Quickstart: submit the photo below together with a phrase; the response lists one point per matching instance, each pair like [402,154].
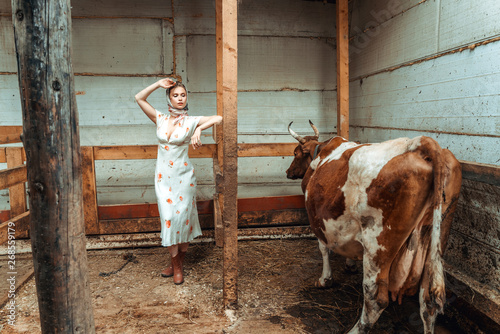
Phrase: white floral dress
[175,182]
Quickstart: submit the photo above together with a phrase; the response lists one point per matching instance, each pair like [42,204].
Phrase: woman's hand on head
[166,83]
[196,138]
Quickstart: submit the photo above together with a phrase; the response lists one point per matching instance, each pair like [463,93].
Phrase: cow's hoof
[327,283]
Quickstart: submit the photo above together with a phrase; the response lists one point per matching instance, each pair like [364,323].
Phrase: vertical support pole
[42,30]
[342,22]
[89,191]
[17,193]
[218,129]
[227,94]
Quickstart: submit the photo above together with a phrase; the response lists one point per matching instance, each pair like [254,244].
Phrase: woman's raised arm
[142,96]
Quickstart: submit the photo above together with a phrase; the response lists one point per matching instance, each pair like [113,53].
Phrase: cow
[388,204]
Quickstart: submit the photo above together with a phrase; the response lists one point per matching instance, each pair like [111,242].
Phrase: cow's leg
[427,314]
[372,308]
[325,280]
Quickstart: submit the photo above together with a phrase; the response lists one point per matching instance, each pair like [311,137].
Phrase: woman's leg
[174,249]
[183,247]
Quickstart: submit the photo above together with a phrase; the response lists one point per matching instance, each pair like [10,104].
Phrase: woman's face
[178,97]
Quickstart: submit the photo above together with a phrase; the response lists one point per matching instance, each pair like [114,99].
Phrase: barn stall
[415,67]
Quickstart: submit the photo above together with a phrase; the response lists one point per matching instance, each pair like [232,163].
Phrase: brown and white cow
[389,204]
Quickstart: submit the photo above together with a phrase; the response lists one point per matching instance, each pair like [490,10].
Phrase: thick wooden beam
[342,23]
[42,31]
[227,91]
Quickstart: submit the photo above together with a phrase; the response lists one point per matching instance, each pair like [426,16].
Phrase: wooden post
[342,68]
[227,95]
[42,31]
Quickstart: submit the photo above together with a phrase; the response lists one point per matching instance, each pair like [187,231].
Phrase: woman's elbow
[218,119]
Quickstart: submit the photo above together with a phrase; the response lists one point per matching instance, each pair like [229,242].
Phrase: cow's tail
[436,294]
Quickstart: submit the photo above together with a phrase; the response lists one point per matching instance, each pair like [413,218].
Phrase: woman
[175,183]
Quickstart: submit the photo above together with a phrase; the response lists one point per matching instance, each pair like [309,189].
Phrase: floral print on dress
[176,193]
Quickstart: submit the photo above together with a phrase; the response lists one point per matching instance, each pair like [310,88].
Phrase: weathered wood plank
[89,191]
[144,152]
[17,193]
[50,120]
[206,151]
[227,57]
[148,210]
[253,219]
[10,134]
[485,173]
[19,225]
[342,23]
[12,176]
[266,150]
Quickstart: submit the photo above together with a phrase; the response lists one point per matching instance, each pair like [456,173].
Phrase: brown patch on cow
[324,189]
[406,178]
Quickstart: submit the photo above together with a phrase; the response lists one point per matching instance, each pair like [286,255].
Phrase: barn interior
[415,67]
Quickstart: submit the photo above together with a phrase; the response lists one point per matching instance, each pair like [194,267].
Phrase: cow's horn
[316,131]
[294,135]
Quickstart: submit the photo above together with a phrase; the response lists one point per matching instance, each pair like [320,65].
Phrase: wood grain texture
[19,224]
[12,176]
[17,193]
[10,134]
[89,191]
[51,139]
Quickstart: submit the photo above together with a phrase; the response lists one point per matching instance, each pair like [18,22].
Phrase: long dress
[175,182]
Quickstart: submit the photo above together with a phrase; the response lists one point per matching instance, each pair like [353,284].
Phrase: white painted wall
[406,79]
[409,77]
[286,73]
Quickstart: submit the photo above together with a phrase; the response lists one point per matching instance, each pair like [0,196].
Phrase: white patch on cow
[364,166]
[340,231]
[334,155]
[305,195]
[326,276]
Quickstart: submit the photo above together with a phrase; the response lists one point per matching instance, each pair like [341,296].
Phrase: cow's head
[303,153]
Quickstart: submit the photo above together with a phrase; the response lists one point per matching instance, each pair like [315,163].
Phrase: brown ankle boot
[177,264]
[169,271]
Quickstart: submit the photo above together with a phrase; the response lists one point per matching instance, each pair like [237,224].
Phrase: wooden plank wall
[287,60]
[432,68]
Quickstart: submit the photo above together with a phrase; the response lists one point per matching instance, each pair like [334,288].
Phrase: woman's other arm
[204,123]
[142,96]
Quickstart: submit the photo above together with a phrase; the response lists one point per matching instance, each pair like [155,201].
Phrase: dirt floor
[275,284]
